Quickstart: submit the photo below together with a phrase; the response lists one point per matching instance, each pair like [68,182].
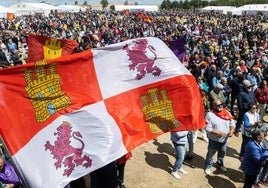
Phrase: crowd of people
[228,56]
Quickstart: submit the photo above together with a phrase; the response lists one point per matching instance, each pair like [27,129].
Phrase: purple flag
[177,46]
[9,175]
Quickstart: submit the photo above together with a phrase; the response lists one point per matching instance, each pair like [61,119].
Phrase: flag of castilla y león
[41,47]
[65,117]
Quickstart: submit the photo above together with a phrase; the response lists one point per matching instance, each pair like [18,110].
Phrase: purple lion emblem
[66,154]
[140,61]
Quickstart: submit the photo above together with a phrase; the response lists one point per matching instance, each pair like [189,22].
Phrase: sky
[7,3]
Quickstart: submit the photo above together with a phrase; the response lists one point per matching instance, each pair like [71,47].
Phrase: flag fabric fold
[79,112]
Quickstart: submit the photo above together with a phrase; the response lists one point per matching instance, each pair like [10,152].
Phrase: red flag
[148,19]
[10,16]
[126,12]
[40,47]
[140,15]
[79,112]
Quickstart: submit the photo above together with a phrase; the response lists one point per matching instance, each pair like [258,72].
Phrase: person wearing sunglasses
[220,127]
[251,121]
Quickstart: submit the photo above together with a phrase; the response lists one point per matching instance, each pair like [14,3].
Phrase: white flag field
[63,118]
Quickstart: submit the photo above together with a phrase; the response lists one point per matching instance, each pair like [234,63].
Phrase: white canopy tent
[71,8]
[220,9]
[253,9]
[31,8]
[4,11]
[151,8]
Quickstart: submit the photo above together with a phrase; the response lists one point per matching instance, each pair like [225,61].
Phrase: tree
[195,3]
[112,7]
[181,4]
[85,3]
[174,5]
[186,4]
[104,3]
[166,4]
[136,3]
[126,2]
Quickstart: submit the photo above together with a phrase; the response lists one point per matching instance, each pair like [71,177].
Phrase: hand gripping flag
[41,47]
[66,117]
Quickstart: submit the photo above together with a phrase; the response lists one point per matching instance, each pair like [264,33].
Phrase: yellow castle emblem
[52,48]
[44,90]
[158,111]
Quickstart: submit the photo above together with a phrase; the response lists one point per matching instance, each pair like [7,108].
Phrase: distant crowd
[217,45]
[207,33]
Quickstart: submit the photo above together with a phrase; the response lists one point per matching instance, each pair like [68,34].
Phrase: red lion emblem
[140,61]
[66,154]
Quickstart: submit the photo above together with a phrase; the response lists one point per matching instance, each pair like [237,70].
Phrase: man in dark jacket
[244,99]
[236,84]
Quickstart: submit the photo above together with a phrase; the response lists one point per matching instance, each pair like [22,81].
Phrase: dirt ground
[152,163]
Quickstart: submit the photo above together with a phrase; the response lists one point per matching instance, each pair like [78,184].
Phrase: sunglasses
[219,105]
[254,108]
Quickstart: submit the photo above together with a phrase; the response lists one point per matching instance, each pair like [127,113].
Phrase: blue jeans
[214,147]
[262,176]
[180,153]
[190,138]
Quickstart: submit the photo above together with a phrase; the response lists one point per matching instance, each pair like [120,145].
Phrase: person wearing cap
[244,99]
[217,93]
[220,127]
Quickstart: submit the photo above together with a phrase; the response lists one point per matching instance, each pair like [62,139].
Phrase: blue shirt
[255,155]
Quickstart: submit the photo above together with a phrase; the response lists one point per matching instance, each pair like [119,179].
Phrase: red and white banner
[65,117]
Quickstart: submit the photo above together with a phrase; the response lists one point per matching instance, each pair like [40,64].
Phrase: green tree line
[189,4]
[186,4]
